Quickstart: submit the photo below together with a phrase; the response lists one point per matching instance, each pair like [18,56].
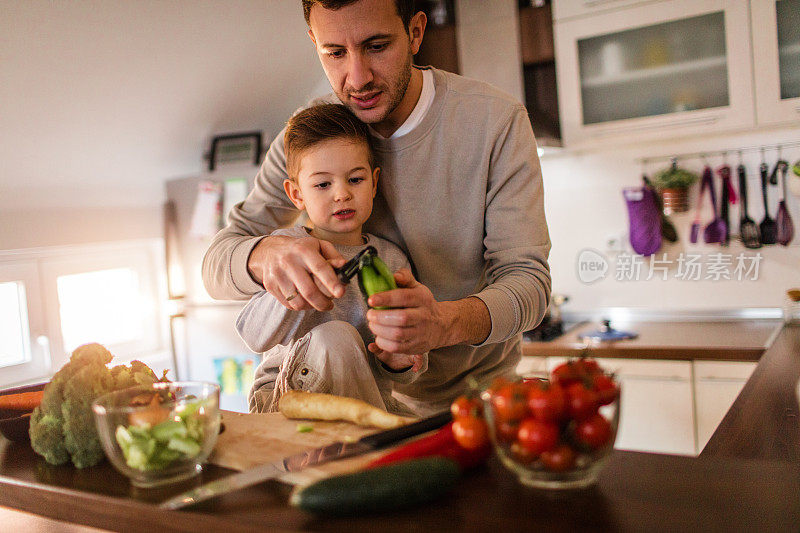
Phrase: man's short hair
[405,8]
[319,123]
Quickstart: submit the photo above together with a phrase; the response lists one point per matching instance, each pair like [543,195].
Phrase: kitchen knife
[299,461]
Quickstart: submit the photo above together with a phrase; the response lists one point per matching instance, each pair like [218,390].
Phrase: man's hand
[418,323]
[298,272]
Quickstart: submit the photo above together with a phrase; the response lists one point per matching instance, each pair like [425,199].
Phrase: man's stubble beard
[400,88]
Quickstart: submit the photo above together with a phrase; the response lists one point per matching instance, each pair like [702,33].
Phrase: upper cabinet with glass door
[776,56]
[564,9]
[676,67]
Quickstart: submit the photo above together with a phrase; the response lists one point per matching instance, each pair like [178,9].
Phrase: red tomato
[509,402]
[594,432]
[547,403]
[588,366]
[506,431]
[565,373]
[521,454]
[497,384]
[581,402]
[470,432]
[464,407]
[607,391]
[559,459]
[537,436]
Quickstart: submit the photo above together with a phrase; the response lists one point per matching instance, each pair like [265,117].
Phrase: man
[461,194]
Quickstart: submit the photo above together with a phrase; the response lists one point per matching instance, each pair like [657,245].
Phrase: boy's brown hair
[405,8]
[319,123]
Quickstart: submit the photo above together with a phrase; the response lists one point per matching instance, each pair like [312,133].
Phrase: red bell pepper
[442,443]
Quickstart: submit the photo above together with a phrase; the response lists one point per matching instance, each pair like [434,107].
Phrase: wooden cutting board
[252,439]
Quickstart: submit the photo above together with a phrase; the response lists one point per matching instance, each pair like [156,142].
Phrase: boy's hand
[298,272]
[397,361]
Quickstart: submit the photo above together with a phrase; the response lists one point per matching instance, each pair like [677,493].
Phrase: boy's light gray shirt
[265,322]
[462,195]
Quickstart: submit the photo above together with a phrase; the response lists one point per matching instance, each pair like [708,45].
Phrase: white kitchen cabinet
[776,60]
[564,9]
[532,366]
[666,68]
[656,409]
[716,384]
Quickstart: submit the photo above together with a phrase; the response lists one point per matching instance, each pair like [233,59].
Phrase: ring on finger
[291,296]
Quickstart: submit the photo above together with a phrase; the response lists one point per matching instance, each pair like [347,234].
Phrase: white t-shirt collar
[423,104]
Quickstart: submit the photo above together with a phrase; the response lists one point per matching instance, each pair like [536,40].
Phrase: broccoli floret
[62,427]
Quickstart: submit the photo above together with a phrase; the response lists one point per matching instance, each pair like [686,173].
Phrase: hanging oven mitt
[644,219]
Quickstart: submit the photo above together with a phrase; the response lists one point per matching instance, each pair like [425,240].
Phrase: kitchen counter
[747,478]
[718,341]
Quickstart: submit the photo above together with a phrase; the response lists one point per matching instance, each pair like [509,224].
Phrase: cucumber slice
[188,447]
[383,488]
[168,429]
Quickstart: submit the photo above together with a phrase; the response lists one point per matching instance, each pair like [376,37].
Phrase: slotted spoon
[769,229]
[748,229]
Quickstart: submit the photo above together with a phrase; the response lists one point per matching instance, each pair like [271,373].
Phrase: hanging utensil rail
[710,153]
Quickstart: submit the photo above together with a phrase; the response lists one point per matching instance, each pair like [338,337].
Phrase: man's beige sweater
[462,196]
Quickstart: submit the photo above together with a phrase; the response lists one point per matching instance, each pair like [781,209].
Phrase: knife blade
[299,461]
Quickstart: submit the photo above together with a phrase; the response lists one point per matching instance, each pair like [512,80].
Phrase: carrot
[21,401]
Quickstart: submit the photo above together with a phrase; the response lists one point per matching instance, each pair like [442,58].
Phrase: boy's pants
[330,359]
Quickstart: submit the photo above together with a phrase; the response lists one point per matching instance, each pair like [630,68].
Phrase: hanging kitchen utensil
[668,230]
[768,227]
[748,229]
[783,221]
[728,197]
[699,207]
[773,177]
[714,232]
[644,221]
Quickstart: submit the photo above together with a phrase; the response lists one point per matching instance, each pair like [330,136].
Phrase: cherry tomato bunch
[555,423]
[469,426]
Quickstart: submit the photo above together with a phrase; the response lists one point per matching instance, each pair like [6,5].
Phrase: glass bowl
[159,434]
[570,463]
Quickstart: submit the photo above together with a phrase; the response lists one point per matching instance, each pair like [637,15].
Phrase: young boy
[333,178]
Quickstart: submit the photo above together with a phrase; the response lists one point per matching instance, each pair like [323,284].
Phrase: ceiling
[101,101]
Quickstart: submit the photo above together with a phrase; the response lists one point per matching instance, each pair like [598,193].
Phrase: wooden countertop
[747,478]
[726,341]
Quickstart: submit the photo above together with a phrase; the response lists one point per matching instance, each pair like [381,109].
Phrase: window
[103,306]
[22,358]
[54,300]
[14,338]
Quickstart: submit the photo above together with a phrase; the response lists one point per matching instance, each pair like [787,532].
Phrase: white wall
[584,205]
[102,101]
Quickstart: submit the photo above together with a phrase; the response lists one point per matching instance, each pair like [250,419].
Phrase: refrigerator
[203,336]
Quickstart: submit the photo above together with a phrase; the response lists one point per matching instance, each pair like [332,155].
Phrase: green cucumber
[384,488]
[374,277]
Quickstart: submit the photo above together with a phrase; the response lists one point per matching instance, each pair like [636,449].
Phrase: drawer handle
[592,3]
